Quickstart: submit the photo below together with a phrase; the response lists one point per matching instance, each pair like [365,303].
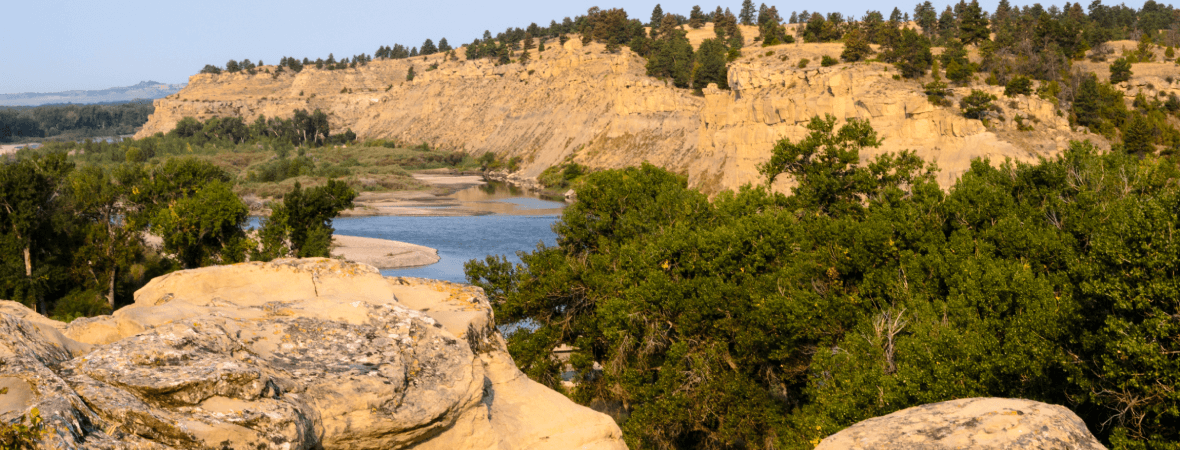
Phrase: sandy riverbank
[382,253]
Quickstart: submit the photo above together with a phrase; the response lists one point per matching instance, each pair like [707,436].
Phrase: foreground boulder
[976,423]
[292,354]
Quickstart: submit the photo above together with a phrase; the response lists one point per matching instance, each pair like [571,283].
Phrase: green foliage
[562,176]
[803,63]
[1099,106]
[909,52]
[973,24]
[711,64]
[828,61]
[958,68]
[410,73]
[1018,85]
[72,121]
[937,93]
[25,433]
[976,104]
[301,226]
[204,228]
[1138,135]
[671,56]
[759,318]
[856,47]
[1120,71]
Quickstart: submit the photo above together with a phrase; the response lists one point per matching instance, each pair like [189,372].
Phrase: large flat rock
[290,354]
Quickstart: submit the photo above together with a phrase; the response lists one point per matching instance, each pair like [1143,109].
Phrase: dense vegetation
[61,122]
[770,321]
[73,228]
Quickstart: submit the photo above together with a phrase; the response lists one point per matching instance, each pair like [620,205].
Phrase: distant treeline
[67,122]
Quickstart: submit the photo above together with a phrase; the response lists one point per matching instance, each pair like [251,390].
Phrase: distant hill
[143,90]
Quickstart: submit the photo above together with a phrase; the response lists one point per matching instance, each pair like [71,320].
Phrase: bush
[828,61]
[937,93]
[1018,85]
[25,433]
[80,303]
[803,63]
[977,104]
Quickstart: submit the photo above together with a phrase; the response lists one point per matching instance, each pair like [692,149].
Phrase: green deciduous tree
[204,228]
[301,226]
[30,191]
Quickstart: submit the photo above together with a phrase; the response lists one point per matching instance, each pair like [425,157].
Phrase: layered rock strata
[601,109]
[292,354]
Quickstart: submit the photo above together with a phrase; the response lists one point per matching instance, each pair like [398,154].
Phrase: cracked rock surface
[291,354]
[975,423]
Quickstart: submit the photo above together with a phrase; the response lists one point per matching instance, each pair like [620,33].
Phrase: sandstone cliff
[292,354]
[602,110]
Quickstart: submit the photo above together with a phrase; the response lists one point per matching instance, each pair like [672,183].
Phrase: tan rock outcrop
[975,423]
[291,354]
[604,110]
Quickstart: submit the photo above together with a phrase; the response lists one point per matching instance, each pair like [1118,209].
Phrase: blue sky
[57,45]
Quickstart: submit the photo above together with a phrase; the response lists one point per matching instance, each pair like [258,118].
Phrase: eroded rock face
[602,110]
[975,423]
[293,354]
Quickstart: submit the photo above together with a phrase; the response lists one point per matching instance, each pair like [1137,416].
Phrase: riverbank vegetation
[72,122]
[76,218]
[764,320]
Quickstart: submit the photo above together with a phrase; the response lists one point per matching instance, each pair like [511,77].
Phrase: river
[524,221]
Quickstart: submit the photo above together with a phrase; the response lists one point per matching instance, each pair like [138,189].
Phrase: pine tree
[410,73]
[856,48]
[428,48]
[1120,71]
[895,16]
[927,18]
[947,25]
[443,46]
[794,18]
[1138,136]
[657,15]
[710,64]
[747,14]
[972,24]
[231,66]
[696,18]
[540,45]
[524,57]
[528,42]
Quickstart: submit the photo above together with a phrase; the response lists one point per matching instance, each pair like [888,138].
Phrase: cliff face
[291,354]
[603,110]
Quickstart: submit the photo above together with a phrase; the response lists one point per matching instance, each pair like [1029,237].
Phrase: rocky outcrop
[602,110]
[292,354]
[976,423]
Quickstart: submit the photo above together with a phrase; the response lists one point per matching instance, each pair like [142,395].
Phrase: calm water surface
[463,238]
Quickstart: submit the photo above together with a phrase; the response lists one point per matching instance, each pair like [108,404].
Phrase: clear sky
[57,45]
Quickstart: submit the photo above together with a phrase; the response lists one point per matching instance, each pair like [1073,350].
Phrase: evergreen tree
[794,17]
[927,18]
[696,18]
[856,48]
[672,55]
[1120,71]
[947,25]
[428,48]
[895,16]
[232,66]
[909,52]
[748,14]
[711,64]
[1138,136]
[973,24]
[413,52]
[657,15]
[410,73]
[443,46]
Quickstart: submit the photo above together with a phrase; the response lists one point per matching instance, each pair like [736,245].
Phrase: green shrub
[25,433]
[81,303]
[1120,71]
[828,61]
[803,63]
[976,104]
[1018,85]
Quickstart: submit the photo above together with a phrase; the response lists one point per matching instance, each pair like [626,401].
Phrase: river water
[527,222]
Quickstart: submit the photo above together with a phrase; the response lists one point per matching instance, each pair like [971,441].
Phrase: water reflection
[491,219]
